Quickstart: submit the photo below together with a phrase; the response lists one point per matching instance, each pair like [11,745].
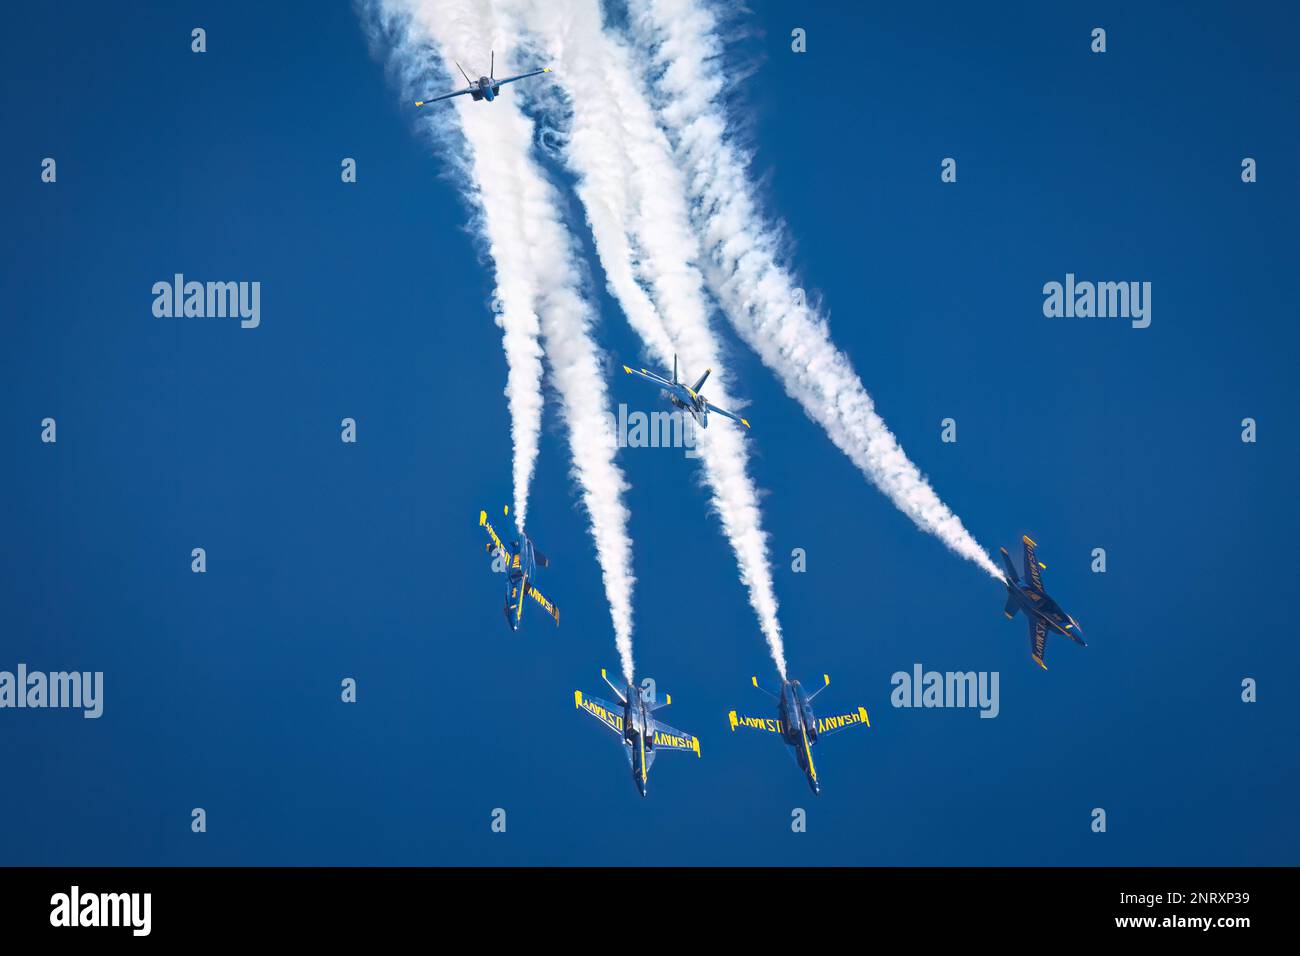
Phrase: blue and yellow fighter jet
[485,87]
[797,726]
[1043,613]
[641,734]
[686,398]
[521,560]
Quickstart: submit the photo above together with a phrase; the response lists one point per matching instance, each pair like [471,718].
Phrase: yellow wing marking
[769,724]
[484,523]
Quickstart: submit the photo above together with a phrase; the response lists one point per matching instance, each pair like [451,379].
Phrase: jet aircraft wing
[611,715]
[541,599]
[670,738]
[648,376]
[445,96]
[521,76]
[487,525]
[837,722]
[1037,639]
[1032,567]
[770,724]
[726,414]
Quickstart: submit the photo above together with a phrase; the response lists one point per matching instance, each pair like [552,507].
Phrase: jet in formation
[685,397]
[521,562]
[797,725]
[485,87]
[640,732]
[1044,614]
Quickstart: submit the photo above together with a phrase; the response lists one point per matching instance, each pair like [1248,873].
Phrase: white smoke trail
[634,198]
[519,219]
[515,296]
[743,256]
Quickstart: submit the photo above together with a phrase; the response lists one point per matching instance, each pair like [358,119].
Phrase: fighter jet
[1043,613]
[797,726]
[641,734]
[686,398]
[521,561]
[485,87]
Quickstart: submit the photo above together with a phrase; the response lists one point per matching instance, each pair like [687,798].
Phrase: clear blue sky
[328,560]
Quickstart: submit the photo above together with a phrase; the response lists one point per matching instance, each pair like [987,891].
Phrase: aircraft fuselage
[639,733]
[1040,606]
[522,566]
[799,729]
[688,401]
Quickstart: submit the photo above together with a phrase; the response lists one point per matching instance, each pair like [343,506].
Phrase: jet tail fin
[703,378]
[754,681]
[827,679]
[617,693]
[1012,576]
[492,68]
[674,369]
[463,73]
[540,558]
[1012,606]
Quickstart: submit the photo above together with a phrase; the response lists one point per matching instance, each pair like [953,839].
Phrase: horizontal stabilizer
[1012,576]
